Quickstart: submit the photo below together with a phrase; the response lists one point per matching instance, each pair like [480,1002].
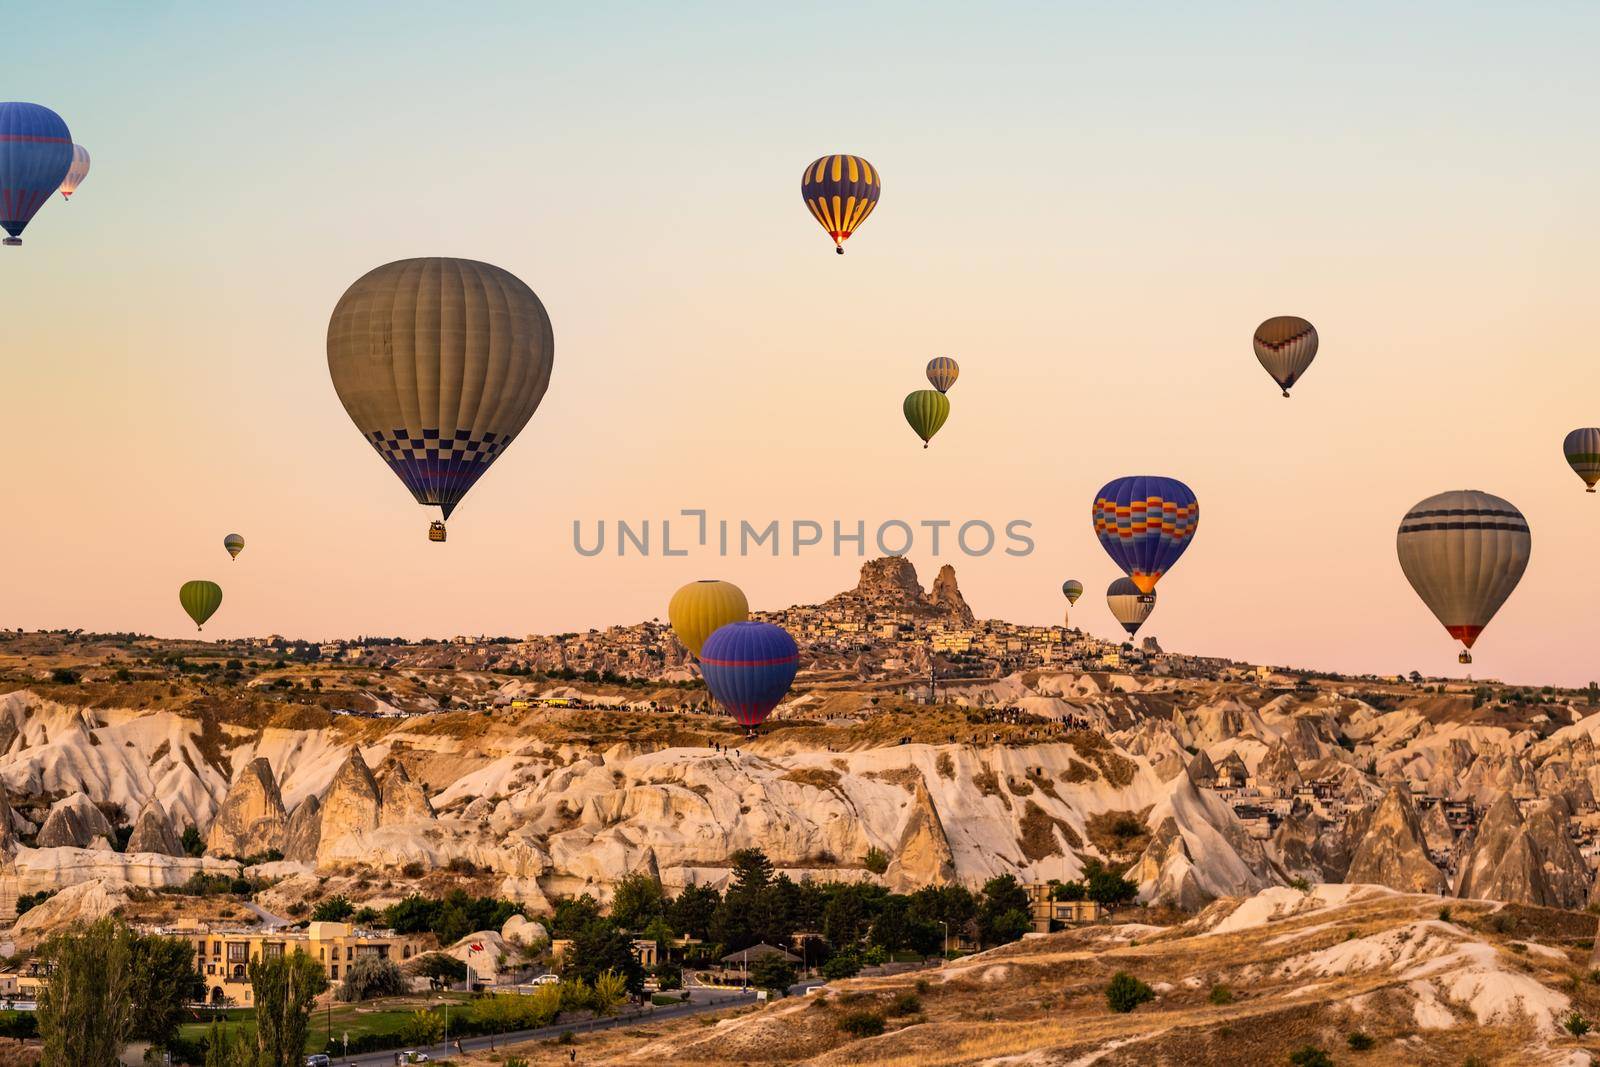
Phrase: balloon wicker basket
[11,241]
[436,531]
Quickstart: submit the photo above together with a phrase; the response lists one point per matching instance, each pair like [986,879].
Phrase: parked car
[318,1060]
[547,979]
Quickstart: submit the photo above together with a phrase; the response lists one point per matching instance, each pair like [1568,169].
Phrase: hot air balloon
[1072,589]
[748,667]
[1130,606]
[1582,449]
[440,363]
[943,372]
[926,411]
[1463,552]
[75,173]
[234,544]
[1286,345]
[35,155]
[841,192]
[1144,523]
[700,608]
[200,599]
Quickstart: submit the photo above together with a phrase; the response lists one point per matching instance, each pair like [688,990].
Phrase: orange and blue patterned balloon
[1144,523]
[35,155]
[943,372]
[841,192]
[749,666]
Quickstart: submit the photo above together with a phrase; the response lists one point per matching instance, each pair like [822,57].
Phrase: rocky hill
[889,586]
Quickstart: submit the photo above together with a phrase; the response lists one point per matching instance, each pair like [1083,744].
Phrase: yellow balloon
[700,608]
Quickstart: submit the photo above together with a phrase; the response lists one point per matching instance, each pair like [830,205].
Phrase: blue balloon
[1144,523]
[35,155]
[748,667]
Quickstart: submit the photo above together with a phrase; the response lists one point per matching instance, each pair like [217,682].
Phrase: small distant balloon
[1129,605]
[75,173]
[200,599]
[1072,589]
[699,609]
[35,156]
[926,410]
[1582,449]
[1145,522]
[748,667]
[1285,345]
[234,544]
[943,372]
[1464,552]
[841,192]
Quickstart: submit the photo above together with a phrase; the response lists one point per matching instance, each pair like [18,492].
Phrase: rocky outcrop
[923,857]
[304,833]
[74,822]
[1500,825]
[1528,860]
[1392,852]
[946,596]
[403,800]
[252,821]
[153,832]
[353,804]
[890,584]
[75,905]
[1277,774]
[1199,851]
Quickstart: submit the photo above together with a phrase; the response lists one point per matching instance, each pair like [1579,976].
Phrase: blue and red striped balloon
[749,666]
[1144,523]
[35,155]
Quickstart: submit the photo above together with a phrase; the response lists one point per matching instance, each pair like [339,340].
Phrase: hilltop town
[229,791]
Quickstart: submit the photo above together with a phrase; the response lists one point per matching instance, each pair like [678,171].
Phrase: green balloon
[926,410]
[201,600]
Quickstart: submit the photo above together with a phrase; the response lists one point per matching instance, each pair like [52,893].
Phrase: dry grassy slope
[1302,969]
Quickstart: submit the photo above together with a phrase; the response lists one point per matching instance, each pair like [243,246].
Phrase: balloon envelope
[841,192]
[1285,345]
[1072,589]
[234,544]
[440,363]
[1464,552]
[200,599]
[75,173]
[35,155]
[1128,605]
[926,411]
[943,372]
[700,608]
[748,667]
[1582,449]
[1145,522]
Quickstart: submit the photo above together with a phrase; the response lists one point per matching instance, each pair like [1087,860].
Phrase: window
[349,952]
[272,950]
[334,974]
[200,948]
[238,951]
[216,948]
[211,968]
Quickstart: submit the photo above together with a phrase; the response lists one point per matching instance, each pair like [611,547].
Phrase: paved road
[704,1000]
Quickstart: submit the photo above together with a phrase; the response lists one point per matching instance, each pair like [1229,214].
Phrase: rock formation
[923,857]
[305,832]
[1199,851]
[152,831]
[74,822]
[1528,860]
[353,804]
[251,821]
[403,800]
[890,584]
[1392,852]
[946,596]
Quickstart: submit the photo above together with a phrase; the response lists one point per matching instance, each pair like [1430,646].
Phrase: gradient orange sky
[1089,207]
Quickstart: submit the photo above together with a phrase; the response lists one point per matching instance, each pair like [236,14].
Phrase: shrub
[1221,994]
[1125,992]
[1360,1042]
[1444,915]
[1309,1056]
[1576,1024]
[905,1004]
[842,965]
[333,910]
[861,1023]
[413,869]
[877,860]
[569,1038]
[1301,884]
[371,977]
[423,1027]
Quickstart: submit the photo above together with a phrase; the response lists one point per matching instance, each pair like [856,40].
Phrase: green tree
[773,973]
[572,914]
[1125,992]
[637,901]
[601,947]
[422,1027]
[227,1046]
[162,983]
[841,965]
[691,910]
[438,968]
[1310,1056]
[333,910]
[284,989]
[193,843]
[609,990]
[1005,913]
[1106,886]
[371,977]
[85,1011]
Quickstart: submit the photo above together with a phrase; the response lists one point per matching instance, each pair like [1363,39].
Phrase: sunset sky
[1090,206]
